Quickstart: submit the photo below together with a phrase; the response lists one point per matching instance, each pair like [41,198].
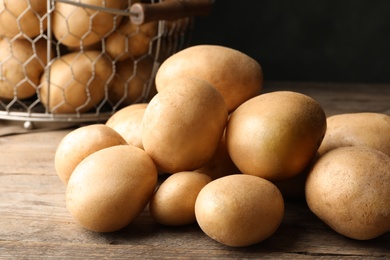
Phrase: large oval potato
[237,76]
[22,18]
[74,25]
[354,129]
[22,64]
[77,82]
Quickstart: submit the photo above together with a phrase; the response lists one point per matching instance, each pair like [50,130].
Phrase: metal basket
[35,110]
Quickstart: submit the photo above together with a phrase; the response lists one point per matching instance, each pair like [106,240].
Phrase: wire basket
[70,62]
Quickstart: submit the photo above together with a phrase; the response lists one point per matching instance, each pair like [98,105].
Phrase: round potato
[80,143]
[239,210]
[128,123]
[74,25]
[348,189]
[77,82]
[357,129]
[22,18]
[173,203]
[111,187]
[22,64]
[130,40]
[237,76]
[275,135]
[183,125]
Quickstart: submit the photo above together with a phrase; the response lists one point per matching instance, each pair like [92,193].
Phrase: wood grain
[34,222]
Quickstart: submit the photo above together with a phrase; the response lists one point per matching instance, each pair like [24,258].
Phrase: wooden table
[34,222]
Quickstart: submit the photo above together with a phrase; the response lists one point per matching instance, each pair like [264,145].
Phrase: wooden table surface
[34,222]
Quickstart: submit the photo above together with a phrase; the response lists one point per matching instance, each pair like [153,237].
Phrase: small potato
[349,189]
[74,25]
[130,40]
[131,82]
[80,143]
[173,203]
[77,82]
[239,210]
[128,123]
[355,129]
[183,124]
[22,64]
[111,187]
[22,18]
[237,76]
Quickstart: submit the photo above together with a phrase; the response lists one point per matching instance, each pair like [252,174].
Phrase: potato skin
[111,187]
[173,203]
[239,210]
[237,76]
[357,129]
[348,189]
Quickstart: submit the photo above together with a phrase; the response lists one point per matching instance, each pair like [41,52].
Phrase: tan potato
[355,129]
[173,203]
[22,64]
[78,81]
[348,189]
[111,187]
[275,135]
[80,143]
[128,123]
[131,82]
[220,164]
[130,40]
[75,25]
[22,18]
[183,125]
[239,210]
[237,76]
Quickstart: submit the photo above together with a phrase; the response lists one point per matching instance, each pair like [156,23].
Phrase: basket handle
[168,10]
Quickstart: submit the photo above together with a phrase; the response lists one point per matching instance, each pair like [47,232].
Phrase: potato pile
[96,59]
[210,147]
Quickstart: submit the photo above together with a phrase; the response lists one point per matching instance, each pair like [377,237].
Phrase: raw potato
[173,203]
[74,25]
[130,40]
[80,143]
[355,129]
[22,18]
[183,125]
[131,82]
[237,76]
[22,64]
[111,187]
[275,135]
[348,189]
[239,210]
[78,81]
[128,123]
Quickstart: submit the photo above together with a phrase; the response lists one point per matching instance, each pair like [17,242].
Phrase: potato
[80,143]
[183,125]
[22,64]
[275,135]
[355,129]
[74,25]
[128,123]
[22,18]
[130,40]
[237,76]
[173,203]
[239,210]
[77,82]
[131,82]
[348,189]
[111,187]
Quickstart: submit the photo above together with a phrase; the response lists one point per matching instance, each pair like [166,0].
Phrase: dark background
[305,40]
